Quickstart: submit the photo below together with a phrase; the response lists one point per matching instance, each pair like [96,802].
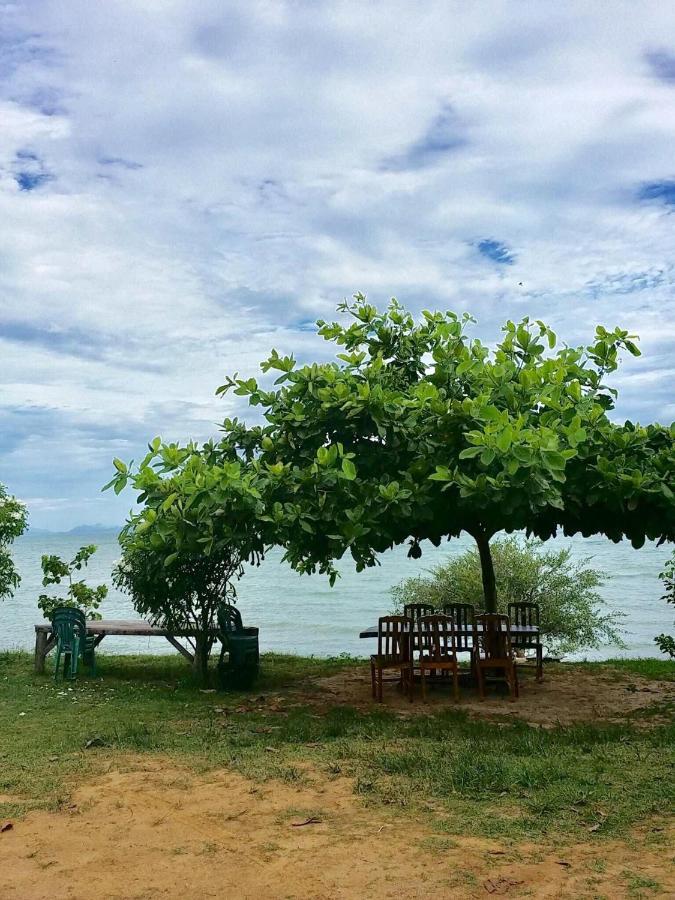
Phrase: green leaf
[470,452]
[169,559]
[553,459]
[120,466]
[348,469]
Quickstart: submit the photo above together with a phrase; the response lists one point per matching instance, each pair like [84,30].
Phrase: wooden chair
[493,651]
[527,614]
[414,612]
[438,651]
[462,615]
[394,651]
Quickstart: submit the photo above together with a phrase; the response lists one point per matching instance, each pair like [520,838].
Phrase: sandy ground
[563,698]
[153,831]
[147,829]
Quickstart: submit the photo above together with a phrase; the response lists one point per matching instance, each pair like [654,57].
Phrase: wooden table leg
[181,649]
[40,651]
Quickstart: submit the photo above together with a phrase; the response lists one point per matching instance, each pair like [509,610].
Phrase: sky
[184,186]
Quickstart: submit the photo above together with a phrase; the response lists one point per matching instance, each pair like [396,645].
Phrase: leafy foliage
[13,520]
[666,642]
[78,593]
[420,431]
[566,591]
[203,517]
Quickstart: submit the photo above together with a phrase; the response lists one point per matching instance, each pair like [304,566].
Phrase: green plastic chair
[242,646]
[70,627]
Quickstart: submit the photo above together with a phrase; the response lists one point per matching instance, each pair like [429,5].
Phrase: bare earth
[564,698]
[157,831]
[149,829]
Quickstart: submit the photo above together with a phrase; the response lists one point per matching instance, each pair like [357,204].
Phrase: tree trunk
[487,572]
[200,663]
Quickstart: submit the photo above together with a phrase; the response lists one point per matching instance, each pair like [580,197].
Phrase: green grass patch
[653,668]
[477,777]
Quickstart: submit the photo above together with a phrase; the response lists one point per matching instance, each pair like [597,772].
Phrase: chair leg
[481,682]
[455,683]
[540,663]
[411,682]
[379,685]
[372,679]
[515,681]
[56,664]
[424,683]
[512,679]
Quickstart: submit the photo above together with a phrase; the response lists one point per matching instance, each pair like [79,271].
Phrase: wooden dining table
[515,630]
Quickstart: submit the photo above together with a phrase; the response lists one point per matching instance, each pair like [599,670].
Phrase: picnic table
[45,640]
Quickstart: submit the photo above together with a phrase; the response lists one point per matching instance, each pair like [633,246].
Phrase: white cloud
[207,178]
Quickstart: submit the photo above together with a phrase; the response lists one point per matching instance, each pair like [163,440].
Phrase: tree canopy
[417,430]
[184,550]
[420,431]
[13,520]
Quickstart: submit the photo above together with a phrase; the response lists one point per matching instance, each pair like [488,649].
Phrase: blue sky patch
[658,190]
[28,181]
[662,64]
[443,136]
[496,251]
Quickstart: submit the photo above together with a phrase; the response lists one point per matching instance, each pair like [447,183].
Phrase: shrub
[566,590]
[666,642]
[12,524]
[78,594]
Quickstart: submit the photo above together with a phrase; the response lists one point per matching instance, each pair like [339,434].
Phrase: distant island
[96,528]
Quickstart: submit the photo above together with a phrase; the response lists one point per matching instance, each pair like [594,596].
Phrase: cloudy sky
[185,185]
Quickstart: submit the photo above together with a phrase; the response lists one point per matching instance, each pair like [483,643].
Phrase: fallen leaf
[272,750]
[563,862]
[6,826]
[53,759]
[207,690]
[94,742]
[596,827]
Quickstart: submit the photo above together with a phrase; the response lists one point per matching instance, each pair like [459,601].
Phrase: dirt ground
[147,830]
[564,698]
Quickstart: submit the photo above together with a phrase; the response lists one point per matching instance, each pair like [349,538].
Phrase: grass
[470,777]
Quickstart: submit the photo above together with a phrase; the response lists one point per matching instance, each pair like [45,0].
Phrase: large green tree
[420,431]
[13,521]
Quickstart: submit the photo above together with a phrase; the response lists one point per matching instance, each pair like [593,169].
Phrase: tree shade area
[416,431]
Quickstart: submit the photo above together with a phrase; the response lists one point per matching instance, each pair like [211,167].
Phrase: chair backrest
[415,611]
[524,614]
[437,637]
[463,615]
[69,622]
[393,637]
[492,636]
[229,618]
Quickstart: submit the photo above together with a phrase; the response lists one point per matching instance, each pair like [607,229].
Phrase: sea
[303,614]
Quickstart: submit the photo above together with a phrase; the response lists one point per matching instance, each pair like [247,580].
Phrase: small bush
[666,642]
[572,616]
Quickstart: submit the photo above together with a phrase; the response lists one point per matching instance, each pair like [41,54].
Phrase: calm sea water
[305,615]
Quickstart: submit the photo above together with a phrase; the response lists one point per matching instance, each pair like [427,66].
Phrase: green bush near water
[572,614]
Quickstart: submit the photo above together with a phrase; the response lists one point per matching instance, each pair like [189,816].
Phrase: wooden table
[516,630]
[45,640]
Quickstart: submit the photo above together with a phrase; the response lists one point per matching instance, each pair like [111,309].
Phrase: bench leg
[40,651]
